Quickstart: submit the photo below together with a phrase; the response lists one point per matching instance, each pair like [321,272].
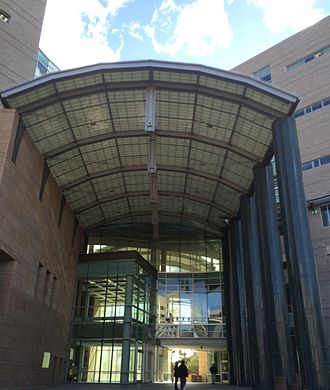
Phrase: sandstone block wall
[37,266]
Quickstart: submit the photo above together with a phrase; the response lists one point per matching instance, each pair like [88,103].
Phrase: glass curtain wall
[190,305]
[196,254]
[190,287]
[104,314]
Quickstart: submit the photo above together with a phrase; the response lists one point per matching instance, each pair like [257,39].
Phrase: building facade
[139,224]
[20,28]
[301,64]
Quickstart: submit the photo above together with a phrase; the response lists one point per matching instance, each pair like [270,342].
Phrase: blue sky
[218,33]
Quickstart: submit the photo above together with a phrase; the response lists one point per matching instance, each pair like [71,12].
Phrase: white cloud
[70,42]
[279,15]
[168,4]
[134,29]
[196,29]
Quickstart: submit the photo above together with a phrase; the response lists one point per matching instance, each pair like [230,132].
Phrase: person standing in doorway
[183,374]
[213,371]
[176,375]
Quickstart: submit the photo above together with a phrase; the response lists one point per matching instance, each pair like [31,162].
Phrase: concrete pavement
[143,386]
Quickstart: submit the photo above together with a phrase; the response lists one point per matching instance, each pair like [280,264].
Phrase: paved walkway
[143,386]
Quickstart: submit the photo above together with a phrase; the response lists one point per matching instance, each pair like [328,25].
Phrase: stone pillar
[280,348]
[257,329]
[203,367]
[306,303]
[239,319]
[124,372]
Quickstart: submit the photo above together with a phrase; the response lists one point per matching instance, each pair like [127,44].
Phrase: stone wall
[37,266]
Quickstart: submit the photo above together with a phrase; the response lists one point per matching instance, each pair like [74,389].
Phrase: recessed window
[4,17]
[325,160]
[316,163]
[39,281]
[313,107]
[264,74]
[325,213]
[53,292]
[46,287]
[308,165]
[308,58]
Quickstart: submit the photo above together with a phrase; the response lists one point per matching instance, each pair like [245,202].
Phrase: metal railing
[194,330]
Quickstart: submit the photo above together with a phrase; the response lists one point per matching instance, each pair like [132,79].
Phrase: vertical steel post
[253,271]
[276,306]
[124,372]
[306,302]
[241,347]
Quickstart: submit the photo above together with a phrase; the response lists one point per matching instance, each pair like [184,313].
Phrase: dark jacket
[213,370]
[176,371]
[183,371]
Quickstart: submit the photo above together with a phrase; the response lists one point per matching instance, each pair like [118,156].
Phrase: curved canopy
[149,142]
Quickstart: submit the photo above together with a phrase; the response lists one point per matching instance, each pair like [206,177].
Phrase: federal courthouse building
[152,211]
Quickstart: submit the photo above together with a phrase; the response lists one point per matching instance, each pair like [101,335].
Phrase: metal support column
[124,372]
[241,347]
[276,306]
[254,294]
[306,303]
[227,307]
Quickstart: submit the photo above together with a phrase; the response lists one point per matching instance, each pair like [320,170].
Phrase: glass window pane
[325,160]
[325,215]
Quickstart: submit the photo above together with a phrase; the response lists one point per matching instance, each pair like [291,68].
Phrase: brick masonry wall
[34,315]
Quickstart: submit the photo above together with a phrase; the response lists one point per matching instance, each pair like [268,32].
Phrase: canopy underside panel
[151,142]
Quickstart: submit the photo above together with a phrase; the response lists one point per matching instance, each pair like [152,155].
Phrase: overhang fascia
[152,65]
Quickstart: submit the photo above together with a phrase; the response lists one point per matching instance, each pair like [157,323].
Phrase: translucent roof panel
[169,181]
[174,110]
[109,185]
[210,129]
[137,181]
[100,156]
[172,151]
[81,195]
[206,158]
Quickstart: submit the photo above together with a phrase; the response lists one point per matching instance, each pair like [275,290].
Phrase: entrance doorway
[198,362]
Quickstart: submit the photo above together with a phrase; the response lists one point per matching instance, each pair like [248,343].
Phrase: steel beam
[168,194]
[145,213]
[166,85]
[173,168]
[160,133]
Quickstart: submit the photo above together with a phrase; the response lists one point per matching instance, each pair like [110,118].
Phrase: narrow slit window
[39,281]
[46,287]
[53,292]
